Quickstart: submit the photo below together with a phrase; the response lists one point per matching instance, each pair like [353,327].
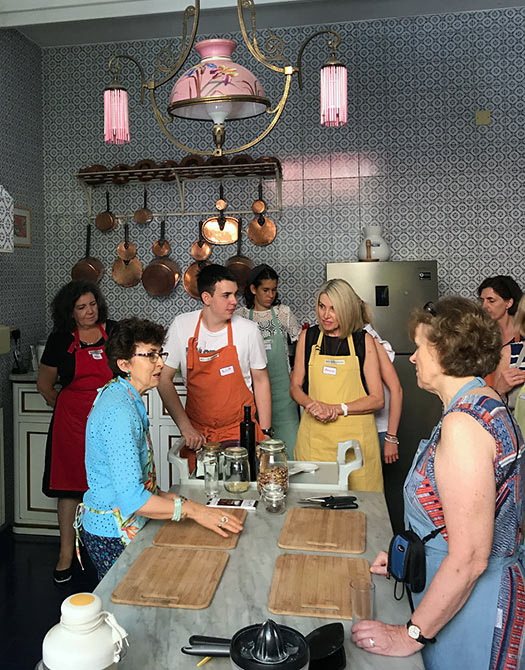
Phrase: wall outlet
[482,117]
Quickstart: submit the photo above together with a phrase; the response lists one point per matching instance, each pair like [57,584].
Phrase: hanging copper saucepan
[220,229]
[261,229]
[161,276]
[143,215]
[161,247]
[240,265]
[189,278]
[106,220]
[126,250]
[200,250]
[127,272]
[89,268]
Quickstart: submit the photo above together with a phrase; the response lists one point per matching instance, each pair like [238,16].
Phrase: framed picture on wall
[22,224]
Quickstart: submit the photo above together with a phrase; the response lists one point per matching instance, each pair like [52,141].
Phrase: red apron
[217,393]
[68,471]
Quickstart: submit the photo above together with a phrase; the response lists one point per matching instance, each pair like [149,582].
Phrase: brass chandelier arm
[114,68]
[276,112]
[275,43]
[332,44]
[192,11]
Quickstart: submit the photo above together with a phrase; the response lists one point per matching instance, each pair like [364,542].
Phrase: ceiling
[67,22]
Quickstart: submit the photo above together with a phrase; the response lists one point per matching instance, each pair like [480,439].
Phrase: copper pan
[161,276]
[89,268]
[240,265]
[126,250]
[200,250]
[127,272]
[189,278]
[259,206]
[262,230]
[143,215]
[106,221]
[161,247]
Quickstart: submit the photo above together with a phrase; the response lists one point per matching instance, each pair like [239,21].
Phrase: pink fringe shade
[334,107]
[116,120]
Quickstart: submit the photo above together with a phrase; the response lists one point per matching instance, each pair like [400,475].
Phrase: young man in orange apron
[222,360]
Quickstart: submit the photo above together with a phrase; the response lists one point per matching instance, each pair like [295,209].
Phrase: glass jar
[236,473]
[273,466]
[210,456]
[274,498]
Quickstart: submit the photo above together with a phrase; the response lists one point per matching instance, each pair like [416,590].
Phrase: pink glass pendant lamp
[116,118]
[334,104]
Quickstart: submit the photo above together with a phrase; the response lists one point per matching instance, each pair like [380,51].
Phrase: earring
[128,376]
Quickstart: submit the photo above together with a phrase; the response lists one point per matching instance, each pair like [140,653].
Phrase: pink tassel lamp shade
[334,106]
[116,119]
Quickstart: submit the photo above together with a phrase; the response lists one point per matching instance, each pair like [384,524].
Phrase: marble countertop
[156,634]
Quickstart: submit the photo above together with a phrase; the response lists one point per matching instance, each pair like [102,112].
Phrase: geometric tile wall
[410,158]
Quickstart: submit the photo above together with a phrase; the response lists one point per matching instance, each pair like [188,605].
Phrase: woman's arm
[376,398]
[298,373]
[45,383]
[506,378]
[467,490]
[389,376]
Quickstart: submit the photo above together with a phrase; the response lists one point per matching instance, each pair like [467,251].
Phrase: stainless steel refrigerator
[392,290]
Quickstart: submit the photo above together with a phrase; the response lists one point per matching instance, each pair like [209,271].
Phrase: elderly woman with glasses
[463,495]
[122,493]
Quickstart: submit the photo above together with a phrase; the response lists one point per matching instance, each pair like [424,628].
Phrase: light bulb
[219,111]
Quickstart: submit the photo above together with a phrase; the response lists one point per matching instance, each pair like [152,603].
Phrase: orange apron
[217,393]
[336,379]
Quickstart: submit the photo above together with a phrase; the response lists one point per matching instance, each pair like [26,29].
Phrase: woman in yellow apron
[336,378]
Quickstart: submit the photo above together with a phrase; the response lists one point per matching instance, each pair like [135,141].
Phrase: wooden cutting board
[336,531]
[188,533]
[316,586]
[163,577]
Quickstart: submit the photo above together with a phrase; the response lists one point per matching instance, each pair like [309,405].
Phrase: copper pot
[161,247]
[89,268]
[240,265]
[200,250]
[161,276]
[106,221]
[189,278]
[262,230]
[143,215]
[127,272]
[126,250]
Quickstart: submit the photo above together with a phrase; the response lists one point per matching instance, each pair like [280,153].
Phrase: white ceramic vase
[378,247]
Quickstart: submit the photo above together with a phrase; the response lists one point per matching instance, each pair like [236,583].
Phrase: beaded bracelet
[391,438]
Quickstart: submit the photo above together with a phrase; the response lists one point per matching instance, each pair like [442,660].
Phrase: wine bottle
[247,427]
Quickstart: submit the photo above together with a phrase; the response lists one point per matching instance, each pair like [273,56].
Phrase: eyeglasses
[154,355]
[429,307]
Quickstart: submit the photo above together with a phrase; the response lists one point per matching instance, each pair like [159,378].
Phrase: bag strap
[432,535]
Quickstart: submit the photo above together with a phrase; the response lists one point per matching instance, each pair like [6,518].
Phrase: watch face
[414,632]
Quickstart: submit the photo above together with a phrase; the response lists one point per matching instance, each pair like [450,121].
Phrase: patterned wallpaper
[22,285]
[411,157]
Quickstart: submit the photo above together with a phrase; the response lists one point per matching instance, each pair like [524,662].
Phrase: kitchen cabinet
[35,513]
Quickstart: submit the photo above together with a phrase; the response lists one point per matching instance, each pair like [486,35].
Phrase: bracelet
[391,438]
[177,509]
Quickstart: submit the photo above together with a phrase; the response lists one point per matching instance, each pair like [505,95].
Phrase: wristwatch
[415,633]
[268,431]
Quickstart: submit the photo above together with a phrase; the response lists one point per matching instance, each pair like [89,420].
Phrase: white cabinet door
[34,512]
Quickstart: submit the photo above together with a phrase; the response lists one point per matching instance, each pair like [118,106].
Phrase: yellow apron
[336,379]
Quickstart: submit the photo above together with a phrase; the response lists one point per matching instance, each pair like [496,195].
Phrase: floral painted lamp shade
[6,221]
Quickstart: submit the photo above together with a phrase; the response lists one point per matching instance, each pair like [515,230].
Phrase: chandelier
[219,90]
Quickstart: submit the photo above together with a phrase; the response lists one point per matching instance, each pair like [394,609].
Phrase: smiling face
[85,311]
[495,306]
[222,303]
[144,372]
[327,317]
[426,360]
[264,294]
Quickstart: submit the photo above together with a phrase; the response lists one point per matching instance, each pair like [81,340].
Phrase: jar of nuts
[273,466]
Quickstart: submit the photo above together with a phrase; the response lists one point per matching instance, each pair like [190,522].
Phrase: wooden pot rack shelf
[191,168]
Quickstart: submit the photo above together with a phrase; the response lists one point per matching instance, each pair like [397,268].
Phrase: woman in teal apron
[276,323]
[122,490]
[465,483]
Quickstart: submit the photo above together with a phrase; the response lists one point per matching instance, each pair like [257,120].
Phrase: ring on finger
[224,519]
[372,643]
[219,525]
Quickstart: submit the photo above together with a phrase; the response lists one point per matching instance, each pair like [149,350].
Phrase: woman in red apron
[74,353]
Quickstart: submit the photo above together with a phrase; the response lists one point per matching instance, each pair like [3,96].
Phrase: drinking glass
[362,594]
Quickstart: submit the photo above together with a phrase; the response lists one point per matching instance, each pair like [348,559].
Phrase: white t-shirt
[246,337]
[381,417]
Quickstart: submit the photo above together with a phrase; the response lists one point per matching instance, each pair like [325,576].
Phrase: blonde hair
[347,305]
[519,317]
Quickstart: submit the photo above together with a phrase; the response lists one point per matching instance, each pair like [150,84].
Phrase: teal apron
[285,415]
[466,640]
